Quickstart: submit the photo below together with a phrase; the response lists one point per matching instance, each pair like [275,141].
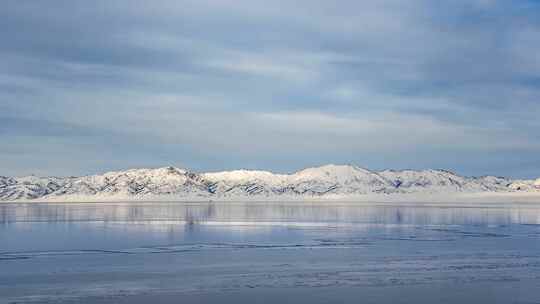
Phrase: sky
[93,86]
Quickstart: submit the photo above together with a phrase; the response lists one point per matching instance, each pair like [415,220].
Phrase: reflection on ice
[129,226]
[273,213]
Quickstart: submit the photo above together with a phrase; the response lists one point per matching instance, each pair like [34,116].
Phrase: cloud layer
[87,87]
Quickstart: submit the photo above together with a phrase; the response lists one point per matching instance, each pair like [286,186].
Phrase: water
[269,252]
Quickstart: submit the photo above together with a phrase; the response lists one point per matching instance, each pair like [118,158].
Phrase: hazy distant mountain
[342,180]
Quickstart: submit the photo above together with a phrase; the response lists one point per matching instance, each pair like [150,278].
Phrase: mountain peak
[173,170]
[331,169]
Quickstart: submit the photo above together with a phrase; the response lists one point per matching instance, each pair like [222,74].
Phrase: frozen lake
[299,252]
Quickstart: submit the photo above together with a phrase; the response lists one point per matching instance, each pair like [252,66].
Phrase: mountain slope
[340,180]
[324,181]
[29,187]
[436,181]
[137,182]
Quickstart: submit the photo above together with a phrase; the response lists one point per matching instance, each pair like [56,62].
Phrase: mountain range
[329,181]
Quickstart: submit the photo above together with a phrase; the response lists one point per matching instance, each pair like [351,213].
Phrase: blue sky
[91,86]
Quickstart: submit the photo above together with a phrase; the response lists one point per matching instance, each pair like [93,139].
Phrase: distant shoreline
[448,198]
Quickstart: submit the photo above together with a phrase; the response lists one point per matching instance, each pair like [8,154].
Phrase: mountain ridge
[324,181]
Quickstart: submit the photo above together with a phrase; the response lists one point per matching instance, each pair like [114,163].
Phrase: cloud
[273,85]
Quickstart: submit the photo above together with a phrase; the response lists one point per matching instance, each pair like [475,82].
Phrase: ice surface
[207,252]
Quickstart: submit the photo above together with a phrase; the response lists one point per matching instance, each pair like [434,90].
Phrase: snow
[329,182]
[410,181]
[242,176]
[525,185]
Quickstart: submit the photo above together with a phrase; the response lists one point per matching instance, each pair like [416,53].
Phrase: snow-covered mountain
[436,181]
[326,181]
